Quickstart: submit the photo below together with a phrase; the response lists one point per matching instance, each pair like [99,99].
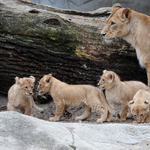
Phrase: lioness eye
[103,80]
[112,23]
[26,87]
[134,115]
[141,115]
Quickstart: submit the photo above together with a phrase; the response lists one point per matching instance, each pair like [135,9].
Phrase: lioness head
[117,24]
[44,85]
[107,80]
[25,85]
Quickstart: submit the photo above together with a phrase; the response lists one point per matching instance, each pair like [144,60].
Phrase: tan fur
[119,93]
[140,106]
[65,95]
[133,27]
[20,96]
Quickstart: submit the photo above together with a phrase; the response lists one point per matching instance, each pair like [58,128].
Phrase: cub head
[139,110]
[107,80]
[25,85]
[117,24]
[44,85]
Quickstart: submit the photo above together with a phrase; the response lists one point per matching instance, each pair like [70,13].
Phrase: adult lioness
[140,106]
[65,95]
[20,96]
[133,27]
[119,93]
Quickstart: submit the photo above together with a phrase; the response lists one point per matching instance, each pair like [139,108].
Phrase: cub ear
[18,80]
[48,79]
[125,15]
[104,71]
[50,74]
[146,102]
[130,103]
[33,79]
[111,76]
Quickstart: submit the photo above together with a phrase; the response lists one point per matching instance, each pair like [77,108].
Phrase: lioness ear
[130,103]
[146,102]
[18,80]
[33,79]
[125,15]
[115,7]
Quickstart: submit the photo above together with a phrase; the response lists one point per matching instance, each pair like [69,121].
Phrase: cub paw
[53,119]
[135,122]
[121,119]
[148,120]
[100,120]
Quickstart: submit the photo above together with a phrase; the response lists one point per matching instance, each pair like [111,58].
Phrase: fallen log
[37,40]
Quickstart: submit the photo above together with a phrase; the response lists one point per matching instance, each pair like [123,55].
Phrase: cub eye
[141,115]
[26,87]
[40,84]
[103,80]
[134,116]
[112,23]
[32,87]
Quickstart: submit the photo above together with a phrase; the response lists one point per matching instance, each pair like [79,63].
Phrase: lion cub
[65,95]
[20,96]
[140,106]
[119,93]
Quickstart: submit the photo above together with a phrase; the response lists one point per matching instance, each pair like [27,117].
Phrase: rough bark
[37,40]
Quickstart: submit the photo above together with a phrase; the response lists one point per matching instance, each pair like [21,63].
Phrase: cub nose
[30,93]
[103,34]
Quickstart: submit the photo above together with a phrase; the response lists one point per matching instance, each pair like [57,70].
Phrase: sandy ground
[50,108]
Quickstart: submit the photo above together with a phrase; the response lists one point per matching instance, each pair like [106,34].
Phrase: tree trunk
[37,40]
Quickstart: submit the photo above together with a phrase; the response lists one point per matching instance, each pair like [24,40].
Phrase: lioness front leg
[86,113]
[59,110]
[123,113]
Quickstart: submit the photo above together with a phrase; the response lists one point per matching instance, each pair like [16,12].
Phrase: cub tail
[36,107]
[105,103]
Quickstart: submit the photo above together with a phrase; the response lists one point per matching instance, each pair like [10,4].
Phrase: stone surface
[20,132]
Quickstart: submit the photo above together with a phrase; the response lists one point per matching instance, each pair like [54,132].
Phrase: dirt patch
[50,108]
